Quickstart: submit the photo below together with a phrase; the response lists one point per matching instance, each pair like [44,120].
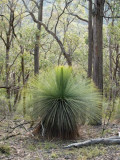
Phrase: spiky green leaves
[63,101]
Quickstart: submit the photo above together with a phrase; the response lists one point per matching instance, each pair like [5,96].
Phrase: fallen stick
[19,125]
[2,119]
[9,136]
[106,141]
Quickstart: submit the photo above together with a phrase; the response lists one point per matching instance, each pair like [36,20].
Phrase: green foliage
[62,101]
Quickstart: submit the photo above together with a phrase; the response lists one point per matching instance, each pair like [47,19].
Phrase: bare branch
[75,15]
[51,14]
[1,15]
[66,6]
[14,60]
[110,17]
[4,87]
[34,1]
[3,39]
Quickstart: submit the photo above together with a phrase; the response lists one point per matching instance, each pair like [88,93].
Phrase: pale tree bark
[36,49]
[90,39]
[98,43]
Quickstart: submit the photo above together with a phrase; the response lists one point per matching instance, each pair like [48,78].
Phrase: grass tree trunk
[36,49]
[90,37]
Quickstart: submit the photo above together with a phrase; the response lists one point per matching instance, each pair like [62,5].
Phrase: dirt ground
[16,143]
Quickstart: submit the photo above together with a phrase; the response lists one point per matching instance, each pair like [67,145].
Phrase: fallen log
[105,141]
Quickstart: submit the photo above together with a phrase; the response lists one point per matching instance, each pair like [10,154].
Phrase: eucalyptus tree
[98,43]
[102,9]
[90,39]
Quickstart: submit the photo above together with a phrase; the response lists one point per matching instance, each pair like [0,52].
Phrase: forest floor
[17,144]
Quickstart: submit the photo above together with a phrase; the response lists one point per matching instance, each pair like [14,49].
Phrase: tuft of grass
[54,155]
[50,145]
[91,152]
[86,152]
[5,149]
[62,101]
[31,147]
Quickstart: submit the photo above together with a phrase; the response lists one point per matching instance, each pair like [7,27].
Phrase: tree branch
[3,39]
[75,15]
[110,17]
[1,15]
[14,60]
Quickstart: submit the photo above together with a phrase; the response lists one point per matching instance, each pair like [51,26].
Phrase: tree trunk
[98,47]
[98,43]
[7,77]
[9,38]
[90,37]
[23,79]
[116,65]
[36,49]
[110,67]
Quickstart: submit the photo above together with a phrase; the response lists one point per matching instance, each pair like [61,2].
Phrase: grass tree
[62,101]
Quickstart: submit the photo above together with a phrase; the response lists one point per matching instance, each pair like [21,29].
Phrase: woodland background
[38,35]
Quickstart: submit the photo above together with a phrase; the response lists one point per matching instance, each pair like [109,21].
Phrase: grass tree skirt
[62,101]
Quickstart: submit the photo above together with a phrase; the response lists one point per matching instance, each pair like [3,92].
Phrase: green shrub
[62,101]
